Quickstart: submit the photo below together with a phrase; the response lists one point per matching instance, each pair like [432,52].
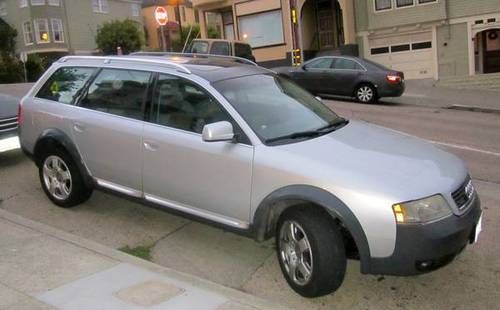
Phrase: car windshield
[277,109]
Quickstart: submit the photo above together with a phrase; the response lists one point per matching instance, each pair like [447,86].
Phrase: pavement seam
[230,293]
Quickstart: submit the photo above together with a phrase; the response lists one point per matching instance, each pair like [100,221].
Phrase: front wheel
[311,252]
[61,179]
[366,93]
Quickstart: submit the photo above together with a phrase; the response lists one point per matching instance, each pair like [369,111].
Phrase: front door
[108,128]
[343,77]
[312,75]
[181,171]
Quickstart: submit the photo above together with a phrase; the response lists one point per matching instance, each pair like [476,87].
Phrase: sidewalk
[44,268]
[425,93]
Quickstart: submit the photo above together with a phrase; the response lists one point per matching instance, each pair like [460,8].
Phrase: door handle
[150,146]
[78,128]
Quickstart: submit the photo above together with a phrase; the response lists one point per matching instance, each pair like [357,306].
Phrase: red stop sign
[161,15]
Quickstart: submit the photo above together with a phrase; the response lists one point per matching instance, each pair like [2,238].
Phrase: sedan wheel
[365,94]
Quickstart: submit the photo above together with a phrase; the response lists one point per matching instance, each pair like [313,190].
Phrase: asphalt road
[470,282]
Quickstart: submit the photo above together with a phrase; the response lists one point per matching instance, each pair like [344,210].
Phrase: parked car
[346,76]
[241,147]
[221,47]
[8,116]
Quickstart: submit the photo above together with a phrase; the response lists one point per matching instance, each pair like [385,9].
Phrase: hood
[8,106]
[368,158]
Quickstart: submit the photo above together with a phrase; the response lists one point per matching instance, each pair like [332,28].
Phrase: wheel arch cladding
[270,209]
[57,138]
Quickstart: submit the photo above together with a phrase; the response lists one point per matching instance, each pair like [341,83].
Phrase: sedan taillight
[394,79]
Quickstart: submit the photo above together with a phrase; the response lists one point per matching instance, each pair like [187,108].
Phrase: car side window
[220,48]
[199,47]
[119,92]
[181,104]
[322,63]
[346,64]
[65,84]
[242,50]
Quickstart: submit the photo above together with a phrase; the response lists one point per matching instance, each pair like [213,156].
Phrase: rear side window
[322,63]
[346,64]
[242,50]
[65,84]
[220,48]
[199,47]
[118,92]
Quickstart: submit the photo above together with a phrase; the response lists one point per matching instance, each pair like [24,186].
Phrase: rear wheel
[311,252]
[61,179]
[366,93]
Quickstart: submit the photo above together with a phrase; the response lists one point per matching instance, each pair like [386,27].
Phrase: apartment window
[54,2]
[3,8]
[383,5]
[37,2]
[421,45]
[42,30]
[404,3]
[23,3]
[57,30]
[262,29]
[135,9]
[28,33]
[100,6]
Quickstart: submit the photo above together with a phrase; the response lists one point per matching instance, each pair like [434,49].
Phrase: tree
[10,67]
[124,34]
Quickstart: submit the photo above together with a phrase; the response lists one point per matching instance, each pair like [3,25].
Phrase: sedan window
[321,63]
[346,64]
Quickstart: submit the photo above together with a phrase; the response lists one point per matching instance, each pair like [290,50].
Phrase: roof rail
[109,59]
[193,55]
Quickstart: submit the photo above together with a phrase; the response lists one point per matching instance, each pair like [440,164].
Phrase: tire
[325,260]
[366,93]
[61,179]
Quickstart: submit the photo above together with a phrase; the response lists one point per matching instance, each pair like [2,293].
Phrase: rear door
[181,171]
[108,128]
[313,74]
[343,76]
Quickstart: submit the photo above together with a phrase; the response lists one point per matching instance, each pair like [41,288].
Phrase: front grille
[8,124]
[464,194]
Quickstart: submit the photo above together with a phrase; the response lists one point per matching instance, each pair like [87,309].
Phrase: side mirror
[319,98]
[216,132]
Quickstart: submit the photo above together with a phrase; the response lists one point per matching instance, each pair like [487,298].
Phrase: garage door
[412,54]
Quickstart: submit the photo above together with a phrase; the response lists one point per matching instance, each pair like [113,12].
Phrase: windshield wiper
[312,133]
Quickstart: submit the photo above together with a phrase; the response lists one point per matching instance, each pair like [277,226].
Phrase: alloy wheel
[295,252]
[365,94]
[57,177]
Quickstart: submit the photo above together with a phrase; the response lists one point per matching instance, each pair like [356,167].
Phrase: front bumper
[422,248]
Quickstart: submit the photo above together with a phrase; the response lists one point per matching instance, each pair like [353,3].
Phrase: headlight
[421,211]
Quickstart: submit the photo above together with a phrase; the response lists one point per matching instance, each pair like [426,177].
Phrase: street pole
[163,42]
[180,17]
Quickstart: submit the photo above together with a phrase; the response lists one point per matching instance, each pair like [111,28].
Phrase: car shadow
[11,158]
[381,102]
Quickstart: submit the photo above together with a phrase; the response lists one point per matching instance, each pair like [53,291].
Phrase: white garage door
[413,54]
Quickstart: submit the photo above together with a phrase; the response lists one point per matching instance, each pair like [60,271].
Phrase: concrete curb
[230,293]
[473,109]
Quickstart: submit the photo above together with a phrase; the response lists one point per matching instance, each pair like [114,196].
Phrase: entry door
[108,128]
[181,171]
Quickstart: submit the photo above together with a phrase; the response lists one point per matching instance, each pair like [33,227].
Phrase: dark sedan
[8,116]
[346,76]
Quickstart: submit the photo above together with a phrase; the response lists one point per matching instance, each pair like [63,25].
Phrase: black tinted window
[220,48]
[119,92]
[183,105]
[346,64]
[242,50]
[65,84]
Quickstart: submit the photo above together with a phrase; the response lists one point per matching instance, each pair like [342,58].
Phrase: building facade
[431,38]
[63,26]
[284,32]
